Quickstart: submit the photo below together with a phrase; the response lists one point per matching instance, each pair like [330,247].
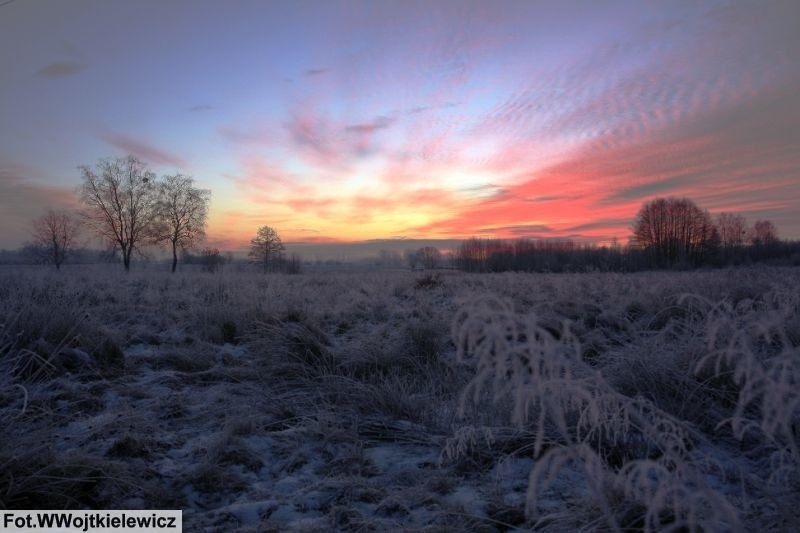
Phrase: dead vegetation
[599,401]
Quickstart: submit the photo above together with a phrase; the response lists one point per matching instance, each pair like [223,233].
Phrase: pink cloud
[737,160]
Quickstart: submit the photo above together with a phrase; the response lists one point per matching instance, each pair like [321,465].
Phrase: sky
[374,122]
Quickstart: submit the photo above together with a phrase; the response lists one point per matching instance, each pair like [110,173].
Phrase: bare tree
[674,230]
[430,257]
[266,248]
[412,258]
[764,233]
[120,197]
[389,258]
[732,229]
[182,210]
[292,264]
[211,259]
[472,255]
[54,234]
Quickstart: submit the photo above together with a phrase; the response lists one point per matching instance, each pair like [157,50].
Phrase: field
[405,401]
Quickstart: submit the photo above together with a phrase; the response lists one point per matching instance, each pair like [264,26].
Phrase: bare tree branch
[54,235]
[182,211]
[266,248]
[674,230]
[120,197]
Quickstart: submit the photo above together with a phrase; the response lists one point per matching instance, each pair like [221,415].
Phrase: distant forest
[526,255]
[669,233]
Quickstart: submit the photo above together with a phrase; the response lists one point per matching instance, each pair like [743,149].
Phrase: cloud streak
[142,149]
[60,69]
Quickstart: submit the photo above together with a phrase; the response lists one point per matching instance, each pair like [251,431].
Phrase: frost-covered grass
[401,401]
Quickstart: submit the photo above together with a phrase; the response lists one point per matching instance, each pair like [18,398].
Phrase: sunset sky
[354,121]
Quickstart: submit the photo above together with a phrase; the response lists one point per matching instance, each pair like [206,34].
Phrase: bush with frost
[636,460]
[750,345]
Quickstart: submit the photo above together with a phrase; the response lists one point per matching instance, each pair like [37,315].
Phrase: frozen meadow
[405,401]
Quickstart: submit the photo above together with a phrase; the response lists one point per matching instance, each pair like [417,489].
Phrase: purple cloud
[141,149]
[60,69]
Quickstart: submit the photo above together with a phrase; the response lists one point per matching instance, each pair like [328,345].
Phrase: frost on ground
[402,401]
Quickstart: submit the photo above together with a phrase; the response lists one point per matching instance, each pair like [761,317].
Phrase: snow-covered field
[405,401]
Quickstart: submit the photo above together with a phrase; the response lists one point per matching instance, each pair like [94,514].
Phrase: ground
[405,400]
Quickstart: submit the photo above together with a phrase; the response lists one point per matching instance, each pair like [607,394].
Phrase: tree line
[130,208]
[667,233]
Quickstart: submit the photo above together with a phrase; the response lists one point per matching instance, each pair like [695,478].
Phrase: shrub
[429,281]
